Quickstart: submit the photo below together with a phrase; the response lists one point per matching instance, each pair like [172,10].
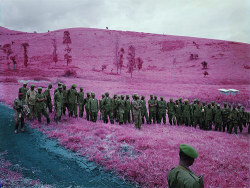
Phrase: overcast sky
[216,19]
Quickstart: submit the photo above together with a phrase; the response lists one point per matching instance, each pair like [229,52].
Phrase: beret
[32,85]
[39,88]
[74,85]
[127,95]
[188,150]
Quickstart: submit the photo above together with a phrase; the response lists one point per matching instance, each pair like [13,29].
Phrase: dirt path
[43,159]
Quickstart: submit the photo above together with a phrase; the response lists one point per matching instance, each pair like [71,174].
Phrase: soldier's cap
[188,150]
[50,85]
[239,104]
[88,93]
[107,93]
[81,88]
[155,96]
[185,100]
[225,103]
[203,102]
[197,100]
[151,95]
[59,84]
[39,88]
[170,99]
[25,84]
[127,95]
[74,85]
[103,95]
[180,98]
[32,85]
[176,100]
[20,94]
[218,104]
[60,87]
[122,95]
[212,102]
[209,104]
[92,93]
[142,96]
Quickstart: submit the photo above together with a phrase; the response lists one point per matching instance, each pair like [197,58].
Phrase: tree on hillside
[121,57]
[139,63]
[13,59]
[131,59]
[26,58]
[116,53]
[204,65]
[67,41]
[205,73]
[54,55]
[8,51]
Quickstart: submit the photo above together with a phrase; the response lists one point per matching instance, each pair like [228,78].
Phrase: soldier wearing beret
[31,100]
[182,176]
[136,106]
[48,97]
[59,103]
[18,106]
[93,107]
[72,101]
[80,101]
[107,106]
[23,90]
[152,109]
[127,110]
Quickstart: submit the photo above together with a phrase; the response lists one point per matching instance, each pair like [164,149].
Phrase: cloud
[224,19]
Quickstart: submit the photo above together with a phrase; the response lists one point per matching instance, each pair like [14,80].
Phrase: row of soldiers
[120,109]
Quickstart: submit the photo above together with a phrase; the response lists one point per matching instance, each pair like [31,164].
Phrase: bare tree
[7,49]
[139,63]
[55,57]
[13,58]
[67,41]
[26,58]
[131,59]
[121,57]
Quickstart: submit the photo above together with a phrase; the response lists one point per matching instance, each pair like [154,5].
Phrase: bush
[70,73]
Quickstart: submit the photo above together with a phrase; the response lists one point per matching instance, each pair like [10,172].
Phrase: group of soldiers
[122,110]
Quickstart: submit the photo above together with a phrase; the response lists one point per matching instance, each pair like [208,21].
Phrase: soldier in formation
[124,111]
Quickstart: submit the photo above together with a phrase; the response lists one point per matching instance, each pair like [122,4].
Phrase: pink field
[144,156]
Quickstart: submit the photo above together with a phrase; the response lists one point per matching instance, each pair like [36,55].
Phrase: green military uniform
[197,114]
[59,85]
[248,121]
[225,114]
[101,107]
[208,117]
[108,109]
[234,120]
[65,100]
[86,103]
[171,112]
[181,108]
[41,105]
[23,90]
[80,100]
[157,110]
[48,97]
[178,112]
[218,118]
[240,118]
[136,112]
[115,107]
[72,101]
[192,111]
[18,106]
[213,109]
[31,101]
[93,107]
[59,103]
[203,116]
[243,115]
[127,110]
[186,113]
[144,112]
[152,109]
[121,109]
[183,177]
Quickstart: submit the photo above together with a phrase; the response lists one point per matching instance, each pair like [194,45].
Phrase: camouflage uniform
[59,103]
[157,110]
[107,102]
[114,105]
[136,112]
[80,100]
[225,114]
[93,107]
[186,113]
[127,110]
[144,112]
[203,116]
[197,114]
[218,119]
[178,112]
[121,109]
[86,103]
[41,106]
[181,108]
[234,118]
[101,107]
[65,100]
[31,101]
[171,112]
[18,106]
[209,117]
[72,99]
[48,97]
[152,109]
[23,90]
